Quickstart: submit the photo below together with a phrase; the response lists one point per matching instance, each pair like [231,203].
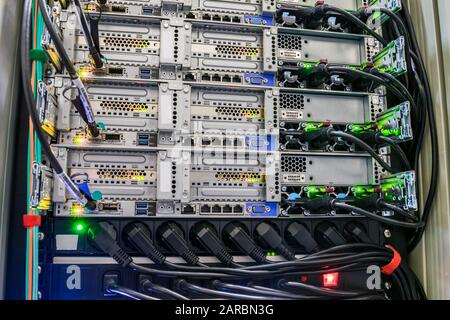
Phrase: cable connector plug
[204,234]
[301,235]
[270,237]
[171,235]
[102,234]
[236,234]
[137,235]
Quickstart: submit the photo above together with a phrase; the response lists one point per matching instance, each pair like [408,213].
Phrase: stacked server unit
[197,104]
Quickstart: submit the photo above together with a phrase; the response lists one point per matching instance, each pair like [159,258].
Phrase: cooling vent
[122,174]
[126,42]
[239,177]
[290,42]
[240,112]
[293,164]
[238,51]
[292,101]
[124,106]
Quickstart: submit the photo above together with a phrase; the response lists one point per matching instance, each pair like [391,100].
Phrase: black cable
[94,54]
[402,28]
[392,222]
[321,291]
[355,21]
[360,143]
[83,98]
[397,149]
[168,273]
[433,133]
[260,291]
[129,293]
[26,76]
[401,95]
[25,42]
[57,41]
[398,210]
[151,287]
[186,286]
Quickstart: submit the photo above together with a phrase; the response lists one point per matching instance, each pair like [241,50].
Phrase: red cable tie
[394,264]
[31,220]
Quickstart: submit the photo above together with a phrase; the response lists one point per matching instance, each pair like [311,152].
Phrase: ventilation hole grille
[124,106]
[121,174]
[293,164]
[290,42]
[126,42]
[239,177]
[292,101]
[238,51]
[240,112]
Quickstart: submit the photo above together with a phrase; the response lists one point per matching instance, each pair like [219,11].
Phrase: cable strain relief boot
[258,255]
[190,257]
[286,252]
[224,257]
[122,258]
[138,236]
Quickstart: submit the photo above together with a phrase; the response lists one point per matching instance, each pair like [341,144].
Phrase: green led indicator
[79,227]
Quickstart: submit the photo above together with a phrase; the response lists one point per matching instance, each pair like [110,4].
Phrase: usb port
[142,205]
[145,73]
[147,10]
[143,139]
[143,136]
[141,212]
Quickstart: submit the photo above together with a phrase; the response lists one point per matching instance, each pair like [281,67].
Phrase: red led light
[330,279]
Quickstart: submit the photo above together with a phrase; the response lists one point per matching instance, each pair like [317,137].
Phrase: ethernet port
[236,20]
[216,77]
[227,209]
[237,79]
[226,78]
[216,209]
[238,209]
[206,77]
[216,18]
[205,209]
[226,19]
[190,15]
[188,209]
[189,77]
[206,17]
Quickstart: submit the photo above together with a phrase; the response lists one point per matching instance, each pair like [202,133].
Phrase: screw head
[387,233]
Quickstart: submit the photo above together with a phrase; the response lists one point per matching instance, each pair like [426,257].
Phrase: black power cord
[95,56]
[25,42]
[83,97]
